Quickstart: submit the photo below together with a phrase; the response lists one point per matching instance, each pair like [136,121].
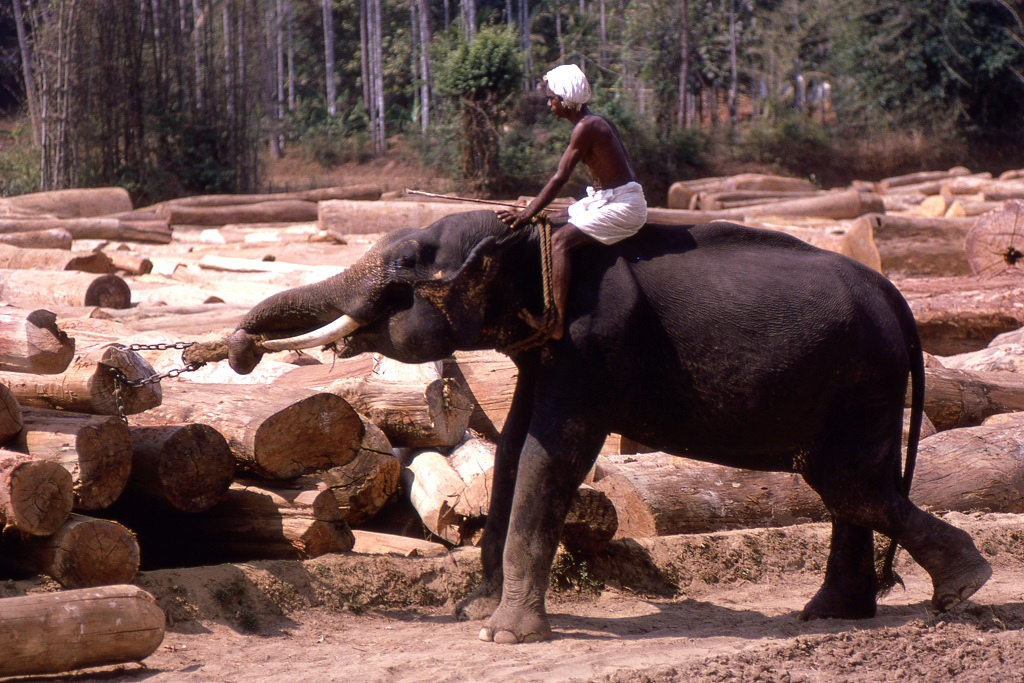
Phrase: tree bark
[185,467]
[30,289]
[35,496]
[286,432]
[31,341]
[83,552]
[91,384]
[362,191]
[48,633]
[434,490]
[919,177]
[411,414]
[95,449]
[591,522]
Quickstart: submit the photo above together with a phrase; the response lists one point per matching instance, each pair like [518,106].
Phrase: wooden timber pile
[323,453]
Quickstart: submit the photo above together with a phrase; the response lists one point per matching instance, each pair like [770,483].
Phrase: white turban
[569,83]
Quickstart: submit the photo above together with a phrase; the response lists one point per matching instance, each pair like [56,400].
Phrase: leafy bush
[19,163]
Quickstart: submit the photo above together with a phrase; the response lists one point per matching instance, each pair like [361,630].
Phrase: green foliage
[571,571]
[486,69]
[478,78]
[19,162]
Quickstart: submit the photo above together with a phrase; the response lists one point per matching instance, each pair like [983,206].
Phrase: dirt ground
[733,617]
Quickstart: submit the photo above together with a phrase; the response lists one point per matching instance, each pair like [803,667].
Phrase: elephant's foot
[959,582]
[511,625]
[833,603]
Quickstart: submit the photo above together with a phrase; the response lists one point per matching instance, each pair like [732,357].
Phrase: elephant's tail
[887,576]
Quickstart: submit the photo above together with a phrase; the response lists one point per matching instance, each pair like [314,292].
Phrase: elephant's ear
[464,284]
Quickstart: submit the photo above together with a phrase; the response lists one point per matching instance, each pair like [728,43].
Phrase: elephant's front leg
[548,476]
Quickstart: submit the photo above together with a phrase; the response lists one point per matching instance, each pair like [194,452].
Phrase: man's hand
[513,218]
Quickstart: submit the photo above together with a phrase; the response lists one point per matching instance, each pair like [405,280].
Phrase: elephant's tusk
[342,327]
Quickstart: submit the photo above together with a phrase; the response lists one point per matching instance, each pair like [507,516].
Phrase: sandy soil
[359,617]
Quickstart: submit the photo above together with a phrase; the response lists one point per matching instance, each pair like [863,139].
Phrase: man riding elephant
[614,208]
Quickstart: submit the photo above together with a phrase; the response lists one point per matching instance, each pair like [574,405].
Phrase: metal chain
[121,380]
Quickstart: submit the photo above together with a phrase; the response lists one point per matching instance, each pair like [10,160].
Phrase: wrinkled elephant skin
[738,346]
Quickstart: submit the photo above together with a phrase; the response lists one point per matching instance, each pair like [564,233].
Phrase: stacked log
[13,258]
[83,552]
[98,380]
[95,449]
[31,341]
[264,434]
[75,203]
[11,418]
[35,496]
[47,633]
[42,238]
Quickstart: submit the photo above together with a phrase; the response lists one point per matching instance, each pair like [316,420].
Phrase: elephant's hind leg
[850,587]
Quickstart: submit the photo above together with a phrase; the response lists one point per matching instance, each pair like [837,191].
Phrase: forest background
[176,97]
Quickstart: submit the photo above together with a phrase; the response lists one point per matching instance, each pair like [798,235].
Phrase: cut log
[912,246]
[840,205]
[48,633]
[972,469]
[10,415]
[185,467]
[994,190]
[295,519]
[964,398]
[35,496]
[92,383]
[377,543]
[435,489]
[347,217]
[288,210]
[853,240]
[715,200]
[920,177]
[656,494]
[355,192]
[410,414]
[154,231]
[365,485]
[75,203]
[15,258]
[591,523]
[32,288]
[95,449]
[993,358]
[83,552]
[31,341]
[133,264]
[960,314]
[490,378]
[286,432]
[54,238]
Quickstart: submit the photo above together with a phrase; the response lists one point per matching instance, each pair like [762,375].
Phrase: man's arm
[579,143]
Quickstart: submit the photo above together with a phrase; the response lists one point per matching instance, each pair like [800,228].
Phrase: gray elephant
[743,347]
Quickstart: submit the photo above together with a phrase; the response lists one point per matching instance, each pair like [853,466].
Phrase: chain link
[121,380]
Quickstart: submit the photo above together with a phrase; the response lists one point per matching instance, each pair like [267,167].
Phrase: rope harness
[549,316]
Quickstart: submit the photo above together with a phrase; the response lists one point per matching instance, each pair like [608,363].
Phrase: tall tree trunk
[425,39]
[733,113]
[332,80]
[26,68]
[683,117]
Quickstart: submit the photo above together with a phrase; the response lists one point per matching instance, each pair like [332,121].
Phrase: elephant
[734,345]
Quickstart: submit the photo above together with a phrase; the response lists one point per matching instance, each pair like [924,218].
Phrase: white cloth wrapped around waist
[610,215]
